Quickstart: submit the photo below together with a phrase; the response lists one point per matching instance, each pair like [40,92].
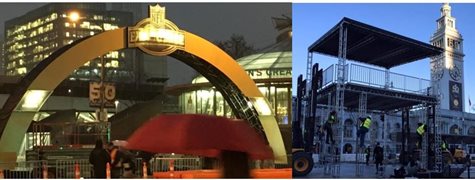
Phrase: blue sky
[417,21]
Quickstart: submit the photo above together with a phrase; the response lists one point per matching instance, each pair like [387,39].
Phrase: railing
[180,164]
[23,170]
[65,169]
[373,77]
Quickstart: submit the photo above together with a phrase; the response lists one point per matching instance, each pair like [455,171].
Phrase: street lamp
[116,102]
[74,16]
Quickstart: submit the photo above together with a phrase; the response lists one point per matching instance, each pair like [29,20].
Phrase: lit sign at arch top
[156,35]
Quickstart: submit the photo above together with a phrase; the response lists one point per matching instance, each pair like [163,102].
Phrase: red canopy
[201,135]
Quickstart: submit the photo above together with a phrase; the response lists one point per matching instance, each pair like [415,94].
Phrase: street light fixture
[74,16]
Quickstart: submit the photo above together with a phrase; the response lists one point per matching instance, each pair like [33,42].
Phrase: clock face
[455,73]
[437,70]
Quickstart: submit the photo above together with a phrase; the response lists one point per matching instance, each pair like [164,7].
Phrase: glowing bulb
[74,16]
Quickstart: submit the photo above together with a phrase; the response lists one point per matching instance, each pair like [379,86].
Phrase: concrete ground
[348,170]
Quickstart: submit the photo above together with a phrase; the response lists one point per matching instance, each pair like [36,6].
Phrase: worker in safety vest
[328,126]
[364,128]
[421,129]
[443,146]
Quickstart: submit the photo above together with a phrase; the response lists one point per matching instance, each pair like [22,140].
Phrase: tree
[236,46]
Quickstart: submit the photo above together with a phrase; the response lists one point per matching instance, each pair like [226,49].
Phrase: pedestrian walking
[378,156]
[99,159]
[117,159]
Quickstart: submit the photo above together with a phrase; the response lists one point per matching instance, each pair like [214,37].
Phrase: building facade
[270,68]
[34,36]
[447,68]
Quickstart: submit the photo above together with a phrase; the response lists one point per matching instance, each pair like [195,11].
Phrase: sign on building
[95,95]
[455,89]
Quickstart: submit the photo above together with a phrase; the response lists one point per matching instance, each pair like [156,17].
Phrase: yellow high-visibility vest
[367,123]
[444,146]
[420,129]
[331,119]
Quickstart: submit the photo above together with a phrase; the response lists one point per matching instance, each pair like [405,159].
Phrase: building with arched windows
[270,68]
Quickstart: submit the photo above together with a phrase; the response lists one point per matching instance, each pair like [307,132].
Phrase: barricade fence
[23,170]
[72,168]
[66,169]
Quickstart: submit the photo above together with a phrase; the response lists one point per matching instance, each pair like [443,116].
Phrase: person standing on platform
[421,129]
[328,126]
[99,159]
[364,128]
[378,156]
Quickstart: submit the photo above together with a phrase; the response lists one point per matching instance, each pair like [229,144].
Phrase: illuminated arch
[219,68]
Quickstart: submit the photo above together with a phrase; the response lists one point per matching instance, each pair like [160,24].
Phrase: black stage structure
[366,44]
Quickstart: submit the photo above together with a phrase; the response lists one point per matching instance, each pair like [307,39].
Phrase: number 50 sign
[95,94]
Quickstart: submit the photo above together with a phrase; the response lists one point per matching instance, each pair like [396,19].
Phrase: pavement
[348,170]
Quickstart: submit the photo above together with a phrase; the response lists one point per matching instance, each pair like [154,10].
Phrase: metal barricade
[23,170]
[65,169]
[161,164]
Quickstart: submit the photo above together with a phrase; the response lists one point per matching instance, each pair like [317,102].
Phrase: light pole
[75,17]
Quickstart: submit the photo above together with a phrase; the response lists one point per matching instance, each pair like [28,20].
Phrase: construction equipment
[303,142]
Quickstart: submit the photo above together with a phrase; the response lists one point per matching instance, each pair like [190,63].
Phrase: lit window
[85,24]
[115,63]
[66,24]
[67,34]
[91,33]
[21,70]
[87,63]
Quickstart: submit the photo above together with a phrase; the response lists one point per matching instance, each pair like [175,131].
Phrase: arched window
[454,129]
[348,128]
[348,149]
[471,131]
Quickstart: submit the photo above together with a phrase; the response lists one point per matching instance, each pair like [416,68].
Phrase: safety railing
[373,77]
[162,164]
[23,170]
[81,168]
[67,169]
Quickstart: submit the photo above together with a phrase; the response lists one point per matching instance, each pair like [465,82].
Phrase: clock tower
[447,68]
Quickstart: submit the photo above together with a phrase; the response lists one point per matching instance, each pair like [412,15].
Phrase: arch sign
[155,36]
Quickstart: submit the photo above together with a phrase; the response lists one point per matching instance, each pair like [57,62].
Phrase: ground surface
[347,170]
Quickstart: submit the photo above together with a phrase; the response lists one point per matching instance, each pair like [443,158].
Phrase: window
[348,128]
[454,129]
[471,149]
[451,23]
[471,131]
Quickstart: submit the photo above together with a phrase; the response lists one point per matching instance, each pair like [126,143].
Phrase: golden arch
[51,71]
